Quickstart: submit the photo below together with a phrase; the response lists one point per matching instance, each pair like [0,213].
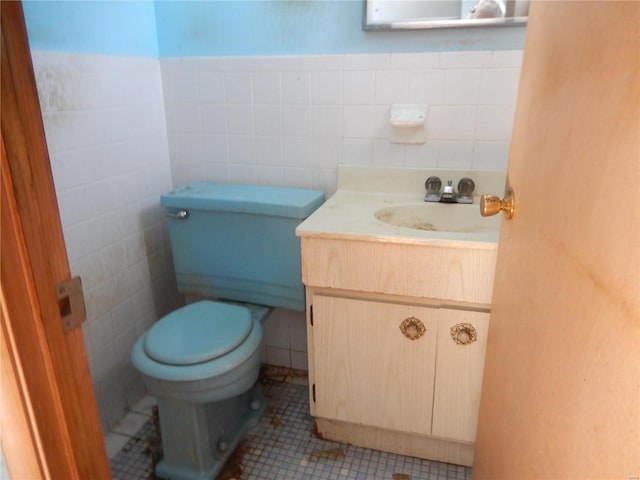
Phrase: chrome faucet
[447,194]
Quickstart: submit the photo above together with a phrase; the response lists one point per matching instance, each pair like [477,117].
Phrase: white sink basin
[387,205]
[438,217]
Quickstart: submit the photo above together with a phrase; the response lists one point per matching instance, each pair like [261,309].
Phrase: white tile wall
[291,120]
[285,339]
[123,130]
[106,133]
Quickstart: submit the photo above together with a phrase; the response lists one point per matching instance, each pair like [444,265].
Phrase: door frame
[46,393]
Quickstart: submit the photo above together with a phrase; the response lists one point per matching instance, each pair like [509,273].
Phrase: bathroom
[277,94]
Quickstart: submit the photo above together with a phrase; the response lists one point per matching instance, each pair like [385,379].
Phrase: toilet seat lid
[198,333]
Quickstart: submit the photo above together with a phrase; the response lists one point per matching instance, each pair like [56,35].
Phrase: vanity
[398,294]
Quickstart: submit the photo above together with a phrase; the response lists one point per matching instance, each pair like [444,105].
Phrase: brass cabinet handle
[491,205]
[464,333]
[412,328]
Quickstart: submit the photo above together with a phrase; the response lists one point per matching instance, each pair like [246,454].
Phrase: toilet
[235,252]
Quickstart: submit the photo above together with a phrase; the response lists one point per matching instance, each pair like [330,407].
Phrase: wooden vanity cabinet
[366,371]
[459,368]
[371,384]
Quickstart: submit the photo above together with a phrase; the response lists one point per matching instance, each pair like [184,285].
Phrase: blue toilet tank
[238,242]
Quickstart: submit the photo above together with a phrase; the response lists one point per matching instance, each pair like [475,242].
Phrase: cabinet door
[459,374]
[366,370]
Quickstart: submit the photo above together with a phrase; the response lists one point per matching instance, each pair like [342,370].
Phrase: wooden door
[50,425]
[561,391]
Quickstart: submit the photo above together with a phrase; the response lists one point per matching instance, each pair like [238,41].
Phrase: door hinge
[71,303]
[313,392]
[311,314]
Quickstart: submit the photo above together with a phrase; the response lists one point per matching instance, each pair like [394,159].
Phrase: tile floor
[282,447]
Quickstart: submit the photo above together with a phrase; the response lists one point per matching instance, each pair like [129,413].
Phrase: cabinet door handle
[464,333]
[412,328]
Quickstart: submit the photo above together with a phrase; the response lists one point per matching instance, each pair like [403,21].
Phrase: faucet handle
[466,186]
[433,185]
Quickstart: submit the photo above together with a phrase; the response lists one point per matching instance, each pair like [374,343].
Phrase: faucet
[447,194]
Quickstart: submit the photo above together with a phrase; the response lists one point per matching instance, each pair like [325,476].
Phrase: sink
[424,250]
[438,217]
[387,205]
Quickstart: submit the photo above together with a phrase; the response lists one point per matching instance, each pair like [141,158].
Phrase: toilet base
[198,439]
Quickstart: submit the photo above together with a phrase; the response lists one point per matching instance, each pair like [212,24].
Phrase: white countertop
[361,191]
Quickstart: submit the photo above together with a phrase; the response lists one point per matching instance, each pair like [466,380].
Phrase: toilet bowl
[201,362]
[204,352]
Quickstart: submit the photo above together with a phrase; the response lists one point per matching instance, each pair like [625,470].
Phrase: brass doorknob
[491,205]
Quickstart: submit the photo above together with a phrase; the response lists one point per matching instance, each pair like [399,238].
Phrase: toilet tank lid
[261,200]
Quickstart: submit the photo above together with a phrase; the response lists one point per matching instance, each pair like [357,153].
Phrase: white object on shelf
[407,124]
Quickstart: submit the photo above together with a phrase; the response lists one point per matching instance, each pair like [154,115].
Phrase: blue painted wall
[282,27]
[89,26]
[183,28]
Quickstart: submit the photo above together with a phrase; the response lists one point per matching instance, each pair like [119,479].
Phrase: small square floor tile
[284,447]
[114,442]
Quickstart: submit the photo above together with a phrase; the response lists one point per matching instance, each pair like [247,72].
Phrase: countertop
[363,190]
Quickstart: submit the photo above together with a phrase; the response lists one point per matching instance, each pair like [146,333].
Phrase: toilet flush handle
[180,215]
